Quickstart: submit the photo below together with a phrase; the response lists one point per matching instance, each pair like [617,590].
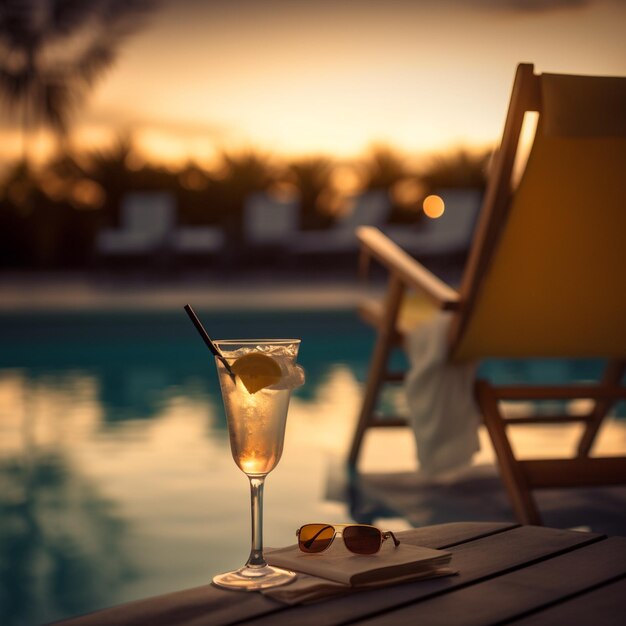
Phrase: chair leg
[378,365]
[515,482]
[612,376]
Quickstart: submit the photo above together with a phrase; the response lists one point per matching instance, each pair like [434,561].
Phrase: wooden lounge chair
[369,208]
[545,277]
[448,235]
[269,222]
[147,218]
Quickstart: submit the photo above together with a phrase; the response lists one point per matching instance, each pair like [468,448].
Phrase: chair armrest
[375,244]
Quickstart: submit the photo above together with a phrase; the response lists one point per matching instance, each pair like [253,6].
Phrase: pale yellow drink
[256,423]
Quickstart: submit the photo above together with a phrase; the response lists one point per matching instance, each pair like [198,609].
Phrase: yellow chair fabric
[556,283]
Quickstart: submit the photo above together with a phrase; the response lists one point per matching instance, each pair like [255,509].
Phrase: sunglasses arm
[387,534]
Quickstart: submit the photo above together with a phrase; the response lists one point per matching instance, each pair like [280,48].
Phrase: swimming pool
[116,479]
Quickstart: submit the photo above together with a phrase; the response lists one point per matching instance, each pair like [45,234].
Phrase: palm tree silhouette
[384,167]
[460,168]
[53,51]
[313,179]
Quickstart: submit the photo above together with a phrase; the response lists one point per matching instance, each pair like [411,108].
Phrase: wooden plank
[513,477]
[476,560]
[546,419]
[395,377]
[497,200]
[578,472]
[387,421]
[444,536]
[518,593]
[605,605]
[405,268]
[182,608]
[613,375]
[228,607]
[378,365]
[371,312]
[561,392]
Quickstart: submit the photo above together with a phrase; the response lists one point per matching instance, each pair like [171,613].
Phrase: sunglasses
[358,538]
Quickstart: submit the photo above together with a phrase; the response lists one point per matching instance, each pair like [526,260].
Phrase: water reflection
[116,474]
[62,543]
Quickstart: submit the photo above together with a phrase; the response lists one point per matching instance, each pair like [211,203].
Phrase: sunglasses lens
[362,539]
[315,537]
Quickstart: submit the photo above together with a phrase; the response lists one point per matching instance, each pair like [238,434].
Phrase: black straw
[205,336]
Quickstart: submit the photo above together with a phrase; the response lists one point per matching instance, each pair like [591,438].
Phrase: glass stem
[256,501]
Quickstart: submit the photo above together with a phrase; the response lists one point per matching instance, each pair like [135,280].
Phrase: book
[339,565]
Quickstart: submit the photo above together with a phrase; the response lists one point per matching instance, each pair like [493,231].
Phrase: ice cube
[293,376]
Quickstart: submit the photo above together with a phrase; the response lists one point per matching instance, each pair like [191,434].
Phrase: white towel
[442,410]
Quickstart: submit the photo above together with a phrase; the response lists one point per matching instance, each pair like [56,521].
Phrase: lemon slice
[257,371]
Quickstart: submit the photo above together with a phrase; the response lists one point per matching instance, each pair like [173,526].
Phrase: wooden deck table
[527,575]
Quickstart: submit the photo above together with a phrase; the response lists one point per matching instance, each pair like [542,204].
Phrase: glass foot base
[252,578]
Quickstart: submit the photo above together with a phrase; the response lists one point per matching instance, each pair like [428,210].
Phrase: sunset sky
[299,77]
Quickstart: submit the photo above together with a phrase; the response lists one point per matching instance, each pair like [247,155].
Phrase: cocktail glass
[256,425]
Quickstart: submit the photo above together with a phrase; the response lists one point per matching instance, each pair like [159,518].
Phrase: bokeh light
[434,206]
[407,192]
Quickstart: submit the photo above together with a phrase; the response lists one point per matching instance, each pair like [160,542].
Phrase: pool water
[116,478]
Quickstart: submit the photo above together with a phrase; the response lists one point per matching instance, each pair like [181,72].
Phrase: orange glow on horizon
[200,79]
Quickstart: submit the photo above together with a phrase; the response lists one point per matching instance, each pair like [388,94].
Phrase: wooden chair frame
[520,477]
